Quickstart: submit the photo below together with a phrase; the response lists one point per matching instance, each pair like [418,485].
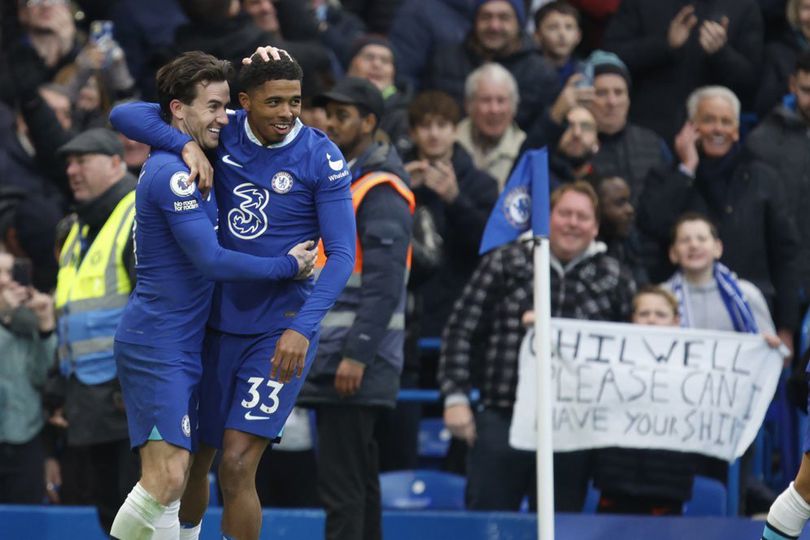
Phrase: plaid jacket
[484,331]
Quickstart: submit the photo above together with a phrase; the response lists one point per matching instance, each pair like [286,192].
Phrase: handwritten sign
[640,386]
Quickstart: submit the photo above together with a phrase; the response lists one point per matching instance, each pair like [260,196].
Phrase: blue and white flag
[524,203]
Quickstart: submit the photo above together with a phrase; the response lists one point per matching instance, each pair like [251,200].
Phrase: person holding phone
[28,343]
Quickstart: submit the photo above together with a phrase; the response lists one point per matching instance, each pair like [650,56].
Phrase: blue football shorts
[160,389]
[236,390]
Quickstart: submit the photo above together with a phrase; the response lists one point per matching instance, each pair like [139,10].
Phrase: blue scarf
[737,306]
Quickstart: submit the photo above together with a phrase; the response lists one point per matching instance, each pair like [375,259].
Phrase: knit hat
[368,39]
[517,5]
[607,62]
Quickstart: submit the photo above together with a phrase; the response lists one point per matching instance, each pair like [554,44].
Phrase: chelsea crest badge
[282,182]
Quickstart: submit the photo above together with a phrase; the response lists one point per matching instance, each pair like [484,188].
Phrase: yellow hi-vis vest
[91,293]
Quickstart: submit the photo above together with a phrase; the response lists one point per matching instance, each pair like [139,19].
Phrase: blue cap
[517,5]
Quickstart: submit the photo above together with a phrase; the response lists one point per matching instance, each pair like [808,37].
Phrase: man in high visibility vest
[96,275]
[355,375]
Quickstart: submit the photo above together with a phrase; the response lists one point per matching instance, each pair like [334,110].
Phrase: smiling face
[205,115]
[90,175]
[497,28]
[491,109]
[375,63]
[572,226]
[263,13]
[272,109]
[717,126]
[695,248]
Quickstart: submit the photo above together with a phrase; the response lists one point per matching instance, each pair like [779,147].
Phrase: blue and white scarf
[737,306]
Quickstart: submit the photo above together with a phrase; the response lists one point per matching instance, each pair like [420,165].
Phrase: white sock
[789,512]
[136,518]
[190,533]
[167,526]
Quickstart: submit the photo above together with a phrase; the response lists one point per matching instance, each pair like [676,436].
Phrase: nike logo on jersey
[250,416]
[227,159]
[334,165]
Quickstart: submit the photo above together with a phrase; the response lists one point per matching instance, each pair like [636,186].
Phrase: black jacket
[536,78]
[384,229]
[630,154]
[663,78]
[783,141]
[779,64]
[461,225]
[745,198]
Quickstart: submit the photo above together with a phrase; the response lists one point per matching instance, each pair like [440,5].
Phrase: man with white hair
[489,133]
[743,196]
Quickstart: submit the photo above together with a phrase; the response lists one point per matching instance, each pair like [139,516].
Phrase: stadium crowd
[673,127]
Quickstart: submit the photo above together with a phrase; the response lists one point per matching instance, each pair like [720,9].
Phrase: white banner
[639,386]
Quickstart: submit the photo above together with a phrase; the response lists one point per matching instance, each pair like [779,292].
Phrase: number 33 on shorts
[256,398]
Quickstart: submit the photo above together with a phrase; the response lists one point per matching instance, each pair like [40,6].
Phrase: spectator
[625,149]
[781,142]
[372,58]
[639,481]
[338,28]
[781,56]
[557,33]
[497,36]
[97,78]
[356,371]
[377,14]
[135,154]
[220,28]
[490,134]
[423,26]
[20,165]
[458,195]
[595,15]
[26,334]
[741,195]
[571,157]
[145,30]
[585,284]
[672,49]
[98,245]
[617,229]
[710,295]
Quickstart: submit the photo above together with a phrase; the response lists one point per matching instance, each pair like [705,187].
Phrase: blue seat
[434,438]
[709,498]
[213,491]
[422,490]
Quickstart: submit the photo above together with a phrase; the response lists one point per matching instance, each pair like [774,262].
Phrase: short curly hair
[259,72]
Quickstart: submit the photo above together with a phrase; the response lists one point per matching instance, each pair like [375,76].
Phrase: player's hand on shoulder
[200,168]
[306,253]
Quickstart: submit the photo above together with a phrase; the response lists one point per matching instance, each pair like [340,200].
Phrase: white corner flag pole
[542,346]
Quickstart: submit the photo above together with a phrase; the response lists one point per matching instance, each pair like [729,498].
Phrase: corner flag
[524,202]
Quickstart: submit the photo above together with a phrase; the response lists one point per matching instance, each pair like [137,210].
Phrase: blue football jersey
[269,200]
[171,300]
